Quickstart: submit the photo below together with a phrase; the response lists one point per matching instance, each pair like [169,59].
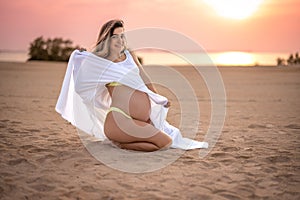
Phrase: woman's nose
[120,39]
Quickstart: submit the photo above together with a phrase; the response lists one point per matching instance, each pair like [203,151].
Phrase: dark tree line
[56,49]
[292,60]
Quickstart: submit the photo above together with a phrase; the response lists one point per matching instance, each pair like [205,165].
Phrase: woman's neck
[115,56]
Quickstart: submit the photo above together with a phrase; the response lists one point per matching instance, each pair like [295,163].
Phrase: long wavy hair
[103,42]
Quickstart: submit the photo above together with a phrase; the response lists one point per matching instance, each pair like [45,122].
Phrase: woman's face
[117,42]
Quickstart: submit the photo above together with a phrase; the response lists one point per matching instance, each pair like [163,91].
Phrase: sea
[227,58]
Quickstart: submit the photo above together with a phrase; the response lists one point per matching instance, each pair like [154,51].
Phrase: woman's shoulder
[132,54]
[129,52]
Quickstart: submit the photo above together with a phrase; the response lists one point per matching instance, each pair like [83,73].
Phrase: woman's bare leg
[139,146]
[132,134]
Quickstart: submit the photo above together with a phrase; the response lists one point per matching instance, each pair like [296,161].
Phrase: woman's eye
[118,36]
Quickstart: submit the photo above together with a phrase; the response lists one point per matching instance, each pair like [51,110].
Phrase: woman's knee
[164,142]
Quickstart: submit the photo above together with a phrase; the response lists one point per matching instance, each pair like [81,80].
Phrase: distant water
[215,58]
[165,58]
[13,56]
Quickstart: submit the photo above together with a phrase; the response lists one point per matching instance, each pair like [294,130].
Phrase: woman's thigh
[121,129]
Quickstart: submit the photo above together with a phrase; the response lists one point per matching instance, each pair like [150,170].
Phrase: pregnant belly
[133,102]
[139,106]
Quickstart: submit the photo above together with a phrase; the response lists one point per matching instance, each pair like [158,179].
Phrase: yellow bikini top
[113,84]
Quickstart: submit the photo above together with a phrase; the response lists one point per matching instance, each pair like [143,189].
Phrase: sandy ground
[256,157]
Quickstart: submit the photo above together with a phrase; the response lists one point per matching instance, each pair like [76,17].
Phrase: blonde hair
[102,45]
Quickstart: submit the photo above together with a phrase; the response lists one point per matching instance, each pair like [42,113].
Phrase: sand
[256,157]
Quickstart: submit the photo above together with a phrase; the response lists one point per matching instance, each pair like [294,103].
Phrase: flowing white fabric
[84,99]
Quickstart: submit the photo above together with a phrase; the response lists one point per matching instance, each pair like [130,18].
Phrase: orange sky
[273,28]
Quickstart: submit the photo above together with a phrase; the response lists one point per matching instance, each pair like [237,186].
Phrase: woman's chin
[117,49]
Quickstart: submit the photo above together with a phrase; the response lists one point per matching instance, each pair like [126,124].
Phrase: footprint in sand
[26,147]
[45,158]
[219,154]
[278,159]
[38,150]
[88,188]
[293,126]
[189,162]
[16,122]
[32,130]
[224,158]
[22,163]
[188,159]
[230,149]
[254,126]
[3,123]
[42,187]
[17,161]
[227,194]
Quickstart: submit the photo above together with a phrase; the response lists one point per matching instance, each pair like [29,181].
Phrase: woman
[106,93]
[130,108]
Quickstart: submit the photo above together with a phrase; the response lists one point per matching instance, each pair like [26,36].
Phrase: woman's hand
[168,104]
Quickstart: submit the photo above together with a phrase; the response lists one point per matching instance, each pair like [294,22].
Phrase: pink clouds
[275,27]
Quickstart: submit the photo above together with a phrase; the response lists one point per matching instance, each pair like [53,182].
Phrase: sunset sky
[273,27]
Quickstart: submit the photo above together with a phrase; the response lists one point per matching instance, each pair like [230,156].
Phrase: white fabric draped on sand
[84,99]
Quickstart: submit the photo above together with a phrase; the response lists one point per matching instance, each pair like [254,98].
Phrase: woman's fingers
[167,105]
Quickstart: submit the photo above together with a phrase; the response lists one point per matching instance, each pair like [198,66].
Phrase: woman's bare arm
[143,74]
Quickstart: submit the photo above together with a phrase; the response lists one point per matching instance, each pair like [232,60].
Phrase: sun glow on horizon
[234,58]
[234,9]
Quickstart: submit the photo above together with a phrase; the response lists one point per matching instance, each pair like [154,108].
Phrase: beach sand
[257,156]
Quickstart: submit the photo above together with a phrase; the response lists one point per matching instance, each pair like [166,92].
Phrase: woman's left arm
[143,74]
